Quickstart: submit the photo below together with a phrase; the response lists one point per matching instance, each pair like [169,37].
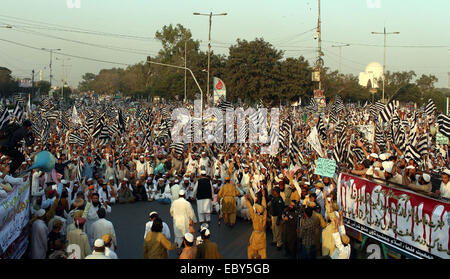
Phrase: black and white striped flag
[412,153]
[224,105]
[422,145]
[18,112]
[76,139]
[339,104]
[178,146]
[444,125]
[430,108]
[312,107]
[321,129]
[5,118]
[388,111]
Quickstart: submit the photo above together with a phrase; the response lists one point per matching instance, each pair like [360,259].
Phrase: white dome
[374,67]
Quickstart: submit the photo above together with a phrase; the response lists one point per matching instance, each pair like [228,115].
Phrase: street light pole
[184,68]
[340,55]
[51,57]
[384,60]
[209,46]
[185,44]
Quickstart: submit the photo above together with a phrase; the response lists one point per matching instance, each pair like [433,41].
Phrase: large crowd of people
[138,162]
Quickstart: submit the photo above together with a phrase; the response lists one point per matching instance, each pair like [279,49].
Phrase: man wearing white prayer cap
[99,251]
[422,182]
[204,162]
[141,166]
[182,213]
[203,192]
[444,190]
[389,173]
[207,249]
[174,190]
[189,250]
[148,226]
[39,233]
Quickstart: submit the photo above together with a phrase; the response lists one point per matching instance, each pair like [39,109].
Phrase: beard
[96,203]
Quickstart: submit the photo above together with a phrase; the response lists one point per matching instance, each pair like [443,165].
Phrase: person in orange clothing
[228,192]
[257,244]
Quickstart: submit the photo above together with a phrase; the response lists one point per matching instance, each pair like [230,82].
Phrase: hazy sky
[286,24]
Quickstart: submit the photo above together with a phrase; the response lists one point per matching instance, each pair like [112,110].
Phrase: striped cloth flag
[76,139]
[321,129]
[388,111]
[422,144]
[5,118]
[430,108]
[339,104]
[412,153]
[444,125]
[312,107]
[18,112]
[178,146]
[224,105]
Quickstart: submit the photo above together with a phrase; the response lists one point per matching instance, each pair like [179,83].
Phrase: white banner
[313,139]
[14,215]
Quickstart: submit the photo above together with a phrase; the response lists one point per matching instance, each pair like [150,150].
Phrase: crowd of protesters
[277,192]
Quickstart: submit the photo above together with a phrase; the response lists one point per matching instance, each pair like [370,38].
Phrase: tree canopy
[254,70]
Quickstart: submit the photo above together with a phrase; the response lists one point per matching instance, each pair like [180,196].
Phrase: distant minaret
[40,75]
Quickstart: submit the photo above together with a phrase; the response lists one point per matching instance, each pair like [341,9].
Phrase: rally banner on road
[14,215]
[413,223]
[220,91]
[325,167]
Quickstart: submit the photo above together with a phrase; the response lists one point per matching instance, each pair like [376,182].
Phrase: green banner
[441,139]
[325,167]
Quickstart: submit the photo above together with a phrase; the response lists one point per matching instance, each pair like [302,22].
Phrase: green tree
[43,87]
[252,70]
[295,79]
[86,84]
[394,82]
[7,83]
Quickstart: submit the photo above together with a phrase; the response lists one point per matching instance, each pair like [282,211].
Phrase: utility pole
[340,55]
[185,71]
[384,60]
[51,57]
[32,83]
[209,46]
[319,60]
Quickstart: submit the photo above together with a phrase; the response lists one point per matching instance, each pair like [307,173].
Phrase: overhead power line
[399,46]
[66,54]
[32,24]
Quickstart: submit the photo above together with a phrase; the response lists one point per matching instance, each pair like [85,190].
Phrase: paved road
[129,222]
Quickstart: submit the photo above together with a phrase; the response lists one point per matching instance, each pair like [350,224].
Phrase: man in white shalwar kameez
[182,212]
[39,233]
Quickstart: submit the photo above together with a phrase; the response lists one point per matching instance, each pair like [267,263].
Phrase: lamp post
[209,46]
[384,61]
[51,57]
[180,67]
[340,55]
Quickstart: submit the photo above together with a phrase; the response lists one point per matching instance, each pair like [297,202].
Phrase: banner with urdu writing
[14,215]
[416,224]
